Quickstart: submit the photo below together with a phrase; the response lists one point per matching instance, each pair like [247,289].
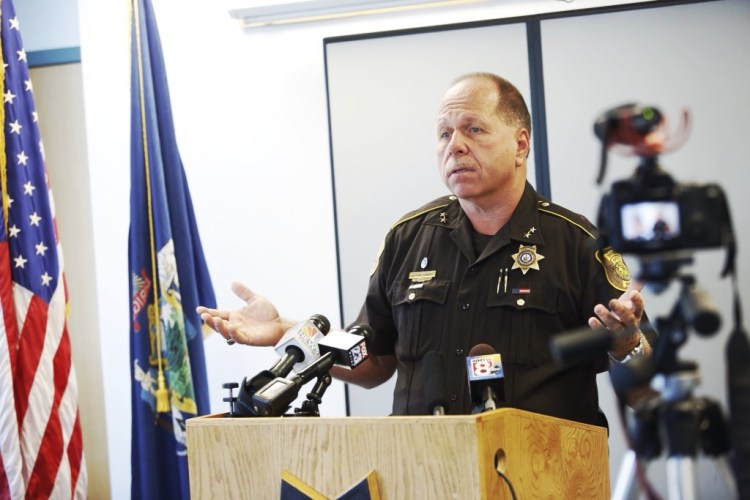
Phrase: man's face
[479,156]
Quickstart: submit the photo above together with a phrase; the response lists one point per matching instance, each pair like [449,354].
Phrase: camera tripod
[685,423]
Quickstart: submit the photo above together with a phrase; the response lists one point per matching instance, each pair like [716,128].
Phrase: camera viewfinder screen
[650,221]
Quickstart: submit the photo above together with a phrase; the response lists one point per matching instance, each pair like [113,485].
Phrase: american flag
[41,450]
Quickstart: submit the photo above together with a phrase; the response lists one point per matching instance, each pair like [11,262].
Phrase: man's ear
[523,145]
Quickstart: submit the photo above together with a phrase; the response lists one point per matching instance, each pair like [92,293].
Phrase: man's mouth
[460,170]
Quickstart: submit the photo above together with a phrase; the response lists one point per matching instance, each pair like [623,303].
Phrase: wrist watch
[635,353]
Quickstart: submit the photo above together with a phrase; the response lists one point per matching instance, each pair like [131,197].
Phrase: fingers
[216,323]
[638,303]
[636,285]
[595,324]
[242,291]
[212,312]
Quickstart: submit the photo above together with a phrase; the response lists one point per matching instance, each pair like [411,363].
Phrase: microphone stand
[309,407]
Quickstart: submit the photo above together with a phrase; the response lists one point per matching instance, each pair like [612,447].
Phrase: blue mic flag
[168,280]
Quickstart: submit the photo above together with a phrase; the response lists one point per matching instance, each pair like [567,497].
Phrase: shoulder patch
[377,257]
[429,207]
[615,268]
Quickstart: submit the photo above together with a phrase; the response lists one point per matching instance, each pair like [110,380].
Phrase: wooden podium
[414,457]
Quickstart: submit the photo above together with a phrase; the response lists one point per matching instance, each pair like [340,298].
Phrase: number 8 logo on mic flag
[487,366]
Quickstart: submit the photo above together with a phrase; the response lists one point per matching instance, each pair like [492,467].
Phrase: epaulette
[569,216]
[429,207]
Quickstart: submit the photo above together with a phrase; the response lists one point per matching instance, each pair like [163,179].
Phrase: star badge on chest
[526,258]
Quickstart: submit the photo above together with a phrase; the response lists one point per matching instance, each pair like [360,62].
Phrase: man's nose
[457,144]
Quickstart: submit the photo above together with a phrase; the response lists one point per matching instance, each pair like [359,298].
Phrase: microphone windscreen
[482,350]
[435,381]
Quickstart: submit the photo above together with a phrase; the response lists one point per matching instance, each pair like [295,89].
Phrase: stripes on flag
[41,449]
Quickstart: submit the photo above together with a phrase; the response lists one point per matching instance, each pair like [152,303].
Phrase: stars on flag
[15,127]
[31,235]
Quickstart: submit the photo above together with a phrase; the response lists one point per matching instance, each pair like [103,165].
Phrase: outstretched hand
[623,319]
[256,323]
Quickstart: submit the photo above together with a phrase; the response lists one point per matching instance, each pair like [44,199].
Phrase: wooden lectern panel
[415,457]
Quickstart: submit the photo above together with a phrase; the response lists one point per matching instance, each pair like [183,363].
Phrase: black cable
[510,485]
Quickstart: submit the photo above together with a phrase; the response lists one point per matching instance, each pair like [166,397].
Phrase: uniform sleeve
[607,277]
[376,311]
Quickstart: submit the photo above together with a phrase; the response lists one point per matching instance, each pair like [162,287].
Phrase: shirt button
[454,397]
[520,302]
[465,306]
[412,295]
[473,269]
[459,352]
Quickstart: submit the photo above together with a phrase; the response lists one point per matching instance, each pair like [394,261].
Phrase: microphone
[298,348]
[275,398]
[299,345]
[349,349]
[435,383]
[579,346]
[486,378]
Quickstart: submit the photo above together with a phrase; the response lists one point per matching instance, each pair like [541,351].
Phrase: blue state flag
[168,279]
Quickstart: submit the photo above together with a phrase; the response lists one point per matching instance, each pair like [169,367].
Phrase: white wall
[48,24]
[251,123]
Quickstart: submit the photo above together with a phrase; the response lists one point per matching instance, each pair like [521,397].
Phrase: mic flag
[300,343]
[349,348]
[484,369]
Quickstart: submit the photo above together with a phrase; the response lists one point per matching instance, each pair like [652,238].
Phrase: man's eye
[475,130]
[445,135]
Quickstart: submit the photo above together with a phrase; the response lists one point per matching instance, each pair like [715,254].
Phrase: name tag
[421,276]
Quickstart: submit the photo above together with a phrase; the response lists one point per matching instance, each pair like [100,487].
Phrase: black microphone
[699,311]
[579,346]
[435,383]
[349,349]
[298,348]
[486,378]
[275,398]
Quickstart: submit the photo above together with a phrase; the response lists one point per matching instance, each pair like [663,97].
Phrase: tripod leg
[681,478]
[726,473]
[626,487]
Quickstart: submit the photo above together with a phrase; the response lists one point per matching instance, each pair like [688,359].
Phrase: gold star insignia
[531,231]
[526,258]
[443,217]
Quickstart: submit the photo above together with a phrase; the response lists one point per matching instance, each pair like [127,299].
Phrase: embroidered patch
[377,258]
[615,268]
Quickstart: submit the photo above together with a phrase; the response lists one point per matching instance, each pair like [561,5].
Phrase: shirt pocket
[418,306]
[526,321]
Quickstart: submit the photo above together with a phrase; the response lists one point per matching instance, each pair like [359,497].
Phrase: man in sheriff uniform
[494,263]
